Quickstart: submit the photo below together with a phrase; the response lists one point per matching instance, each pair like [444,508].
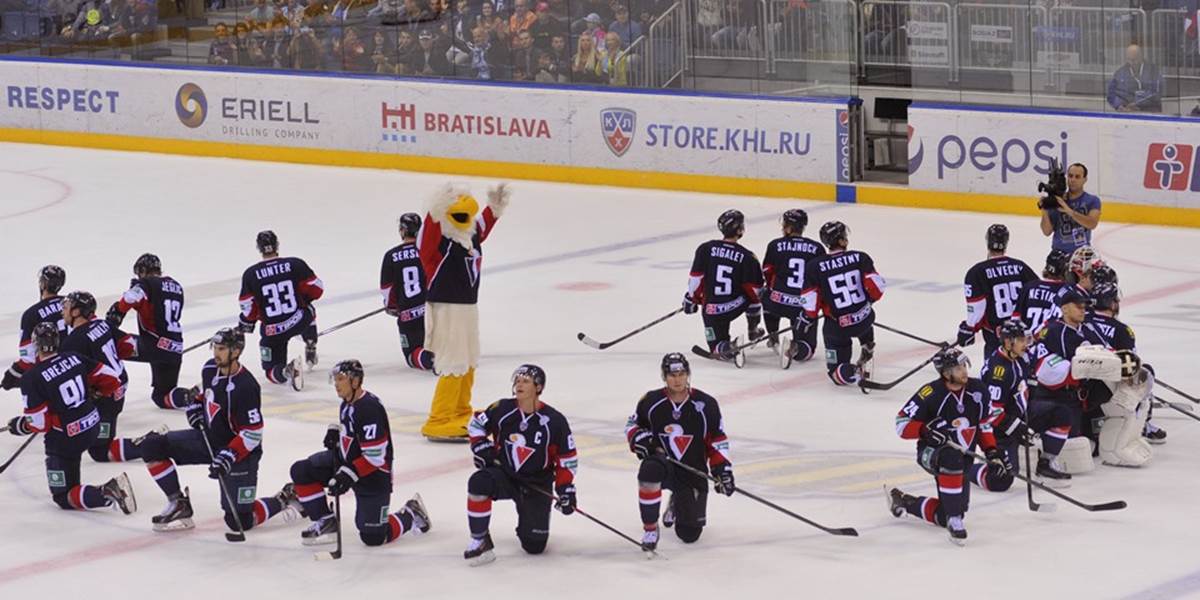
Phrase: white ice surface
[824,452]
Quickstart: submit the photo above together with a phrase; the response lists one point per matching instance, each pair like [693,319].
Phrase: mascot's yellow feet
[447,416]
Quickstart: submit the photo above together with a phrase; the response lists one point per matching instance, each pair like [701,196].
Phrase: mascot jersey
[452,271]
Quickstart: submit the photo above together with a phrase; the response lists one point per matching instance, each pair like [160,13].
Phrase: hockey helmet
[533,372]
[997,238]
[52,278]
[84,302]
[732,223]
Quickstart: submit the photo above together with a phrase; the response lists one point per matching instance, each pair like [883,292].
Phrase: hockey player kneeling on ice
[48,309]
[225,409]
[60,391]
[1003,374]
[954,408]
[723,284]
[783,271]
[402,284]
[358,457]
[521,446]
[683,423]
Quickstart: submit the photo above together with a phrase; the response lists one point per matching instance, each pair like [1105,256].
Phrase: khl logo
[618,125]
[1170,167]
[190,105]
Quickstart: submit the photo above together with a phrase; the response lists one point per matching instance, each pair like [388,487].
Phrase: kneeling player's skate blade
[296,374]
[320,540]
[120,491]
[785,352]
[483,559]
[176,525]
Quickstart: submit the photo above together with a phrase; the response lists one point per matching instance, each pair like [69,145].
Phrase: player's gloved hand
[1130,363]
[997,461]
[644,444]
[394,312]
[724,474]
[222,463]
[343,480]
[753,321]
[966,334]
[566,498]
[195,416]
[934,433]
[12,379]
[689,305]
[19,425]
[484,454]
[245,327]
[803,323]
[333,437]
[1013,428]
[115,317]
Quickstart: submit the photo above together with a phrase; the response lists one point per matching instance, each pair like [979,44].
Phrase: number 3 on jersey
[280,298]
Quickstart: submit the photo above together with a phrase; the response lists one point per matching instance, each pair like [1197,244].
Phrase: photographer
[1070,220]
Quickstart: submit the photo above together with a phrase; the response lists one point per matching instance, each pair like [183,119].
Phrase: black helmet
[147,264]
[1103,273]
[51,278]
[675,362]
[1056,264]
[410,224]
[997,238]
[1011,329]
[267,242]
[949,358]
[534,372]
[731,223]
[351,367]
[834,232]
[84,301]
[229,337]
[45,337]
[1105,296]
[796,219]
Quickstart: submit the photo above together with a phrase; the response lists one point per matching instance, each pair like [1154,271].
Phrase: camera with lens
[1054,186]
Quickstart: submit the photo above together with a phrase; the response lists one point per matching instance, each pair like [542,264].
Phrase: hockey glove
[689,305]
[196,418]
[343,480]
[484,454]
[333,437]
[566,498]
[644,444]
[392,312]
[724,475]
[222,463]
[245,327]
[115,317]
[12,379]
[933,433]
[802,324]
[19,425]
[1011,428]
[997,462]
[966,334]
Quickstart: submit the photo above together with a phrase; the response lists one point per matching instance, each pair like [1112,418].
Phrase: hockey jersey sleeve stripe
[809,301]
[132,298]
[477,429]
[388,300]
[26,354]
[37,417]
[976,310]
[908,429]
[487,221]
[249,309]
[631,428]
[105,379]
[126,347]
[246,440]
[695,280]
[751,291]
[718,451]
[875,285]
[364,465]
[1054,372]
[565,466]
[312,288]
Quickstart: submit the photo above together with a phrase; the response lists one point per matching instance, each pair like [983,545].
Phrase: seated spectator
[415,11]
[592,28]
[580,10]
[522,56]
[88,22]
[461,19]
[353,53]
[547,70]
[406,47]
[428,60]
[249,49]
[489,20]
[628,30]
[544,27]
[223,50]
[522,18]
[614,66]
[305,50]
[293,10]
[383,54]
[262,12]
[560,54]
[488,58]
[1137,86]
[118,25]
[277,42]
[585,67]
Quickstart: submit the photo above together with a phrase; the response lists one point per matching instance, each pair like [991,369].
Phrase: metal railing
[665,45]
[997,37]
[824,32]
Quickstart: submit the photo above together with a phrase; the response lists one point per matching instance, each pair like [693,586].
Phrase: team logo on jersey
[1168,167]
[998,372]
[518,451]
[211,408]
[618,125]
[191,106]
[676,439]
[346,441]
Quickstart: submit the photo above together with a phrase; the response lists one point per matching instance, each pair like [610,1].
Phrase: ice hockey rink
[566,259]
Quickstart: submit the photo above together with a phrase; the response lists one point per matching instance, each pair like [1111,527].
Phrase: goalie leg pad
[1121,442]
[1076,456]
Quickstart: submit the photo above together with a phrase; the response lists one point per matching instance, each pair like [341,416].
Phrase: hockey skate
[120,492]
[323,531]
[310,353]
[294,371]
[958,533]
[292,508]
[668,517]
[650,540]
[416,507]
[1051,473]
[863,366]
[786,351]
[479,551]
[160,430]
[177,516]
[1153,434]
[897,501]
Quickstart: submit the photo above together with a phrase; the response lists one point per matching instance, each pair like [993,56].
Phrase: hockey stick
[230,536]
[602,345]
[350,322]
[872,385]
[1182,408]
[196,345]
[1114,505]
[911,336]
[337,518]
[550,495]
[1034,506]
[849,531]
[18,452]
[738,348]
[1177,390]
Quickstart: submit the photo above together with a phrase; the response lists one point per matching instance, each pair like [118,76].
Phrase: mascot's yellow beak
[462,212]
